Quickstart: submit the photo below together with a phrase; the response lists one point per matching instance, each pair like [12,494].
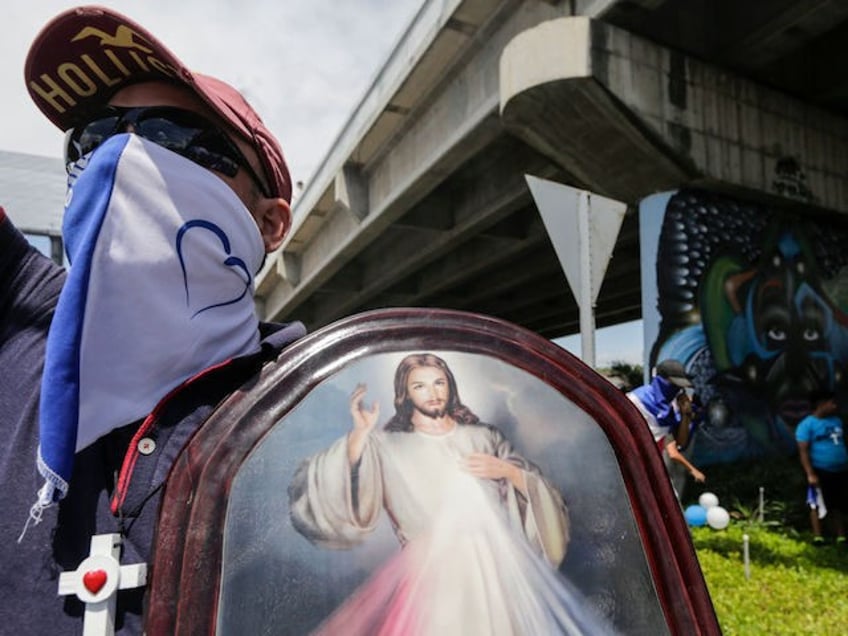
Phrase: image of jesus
[483,532]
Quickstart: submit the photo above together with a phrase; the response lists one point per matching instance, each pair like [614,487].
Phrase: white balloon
[708,500]
[718,518]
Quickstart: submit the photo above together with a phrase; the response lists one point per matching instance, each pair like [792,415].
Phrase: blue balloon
[696,515]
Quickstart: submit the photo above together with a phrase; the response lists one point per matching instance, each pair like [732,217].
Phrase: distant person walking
[667,409]
[821,449]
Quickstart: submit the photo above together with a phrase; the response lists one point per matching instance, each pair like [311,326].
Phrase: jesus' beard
[434,413]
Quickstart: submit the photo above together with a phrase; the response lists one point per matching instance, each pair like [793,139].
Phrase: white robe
[479,556]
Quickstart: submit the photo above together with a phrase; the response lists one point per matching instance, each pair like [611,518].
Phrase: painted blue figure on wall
[754,303]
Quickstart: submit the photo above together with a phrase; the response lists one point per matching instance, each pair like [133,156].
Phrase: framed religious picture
[424,472]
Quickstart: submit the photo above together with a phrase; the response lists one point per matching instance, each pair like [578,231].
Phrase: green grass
[794,587]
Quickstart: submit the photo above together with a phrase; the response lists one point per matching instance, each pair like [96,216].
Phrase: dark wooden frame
[186,569]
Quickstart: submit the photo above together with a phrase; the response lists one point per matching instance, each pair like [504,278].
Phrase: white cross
[97,580]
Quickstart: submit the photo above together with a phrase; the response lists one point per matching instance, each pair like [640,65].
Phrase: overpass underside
[423,199]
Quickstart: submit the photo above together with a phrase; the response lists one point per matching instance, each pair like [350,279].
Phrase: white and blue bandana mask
[160,287]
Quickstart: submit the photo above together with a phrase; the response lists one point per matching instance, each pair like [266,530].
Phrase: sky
[303,64]
[619,343]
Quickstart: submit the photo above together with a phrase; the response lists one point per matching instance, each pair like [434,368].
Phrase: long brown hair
[402,419]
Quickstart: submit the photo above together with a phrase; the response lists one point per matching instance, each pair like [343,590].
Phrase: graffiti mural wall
[753,302]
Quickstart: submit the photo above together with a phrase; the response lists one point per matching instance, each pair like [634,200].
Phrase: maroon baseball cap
[85,55]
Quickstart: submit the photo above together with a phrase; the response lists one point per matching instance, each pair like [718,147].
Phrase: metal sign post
[583,228]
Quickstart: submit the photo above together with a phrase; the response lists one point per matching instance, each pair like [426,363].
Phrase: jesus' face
[428,390]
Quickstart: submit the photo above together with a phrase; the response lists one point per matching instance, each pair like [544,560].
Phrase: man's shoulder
[276,336]
[25,274]
[637,401]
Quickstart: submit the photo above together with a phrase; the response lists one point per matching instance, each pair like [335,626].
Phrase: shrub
[737,486]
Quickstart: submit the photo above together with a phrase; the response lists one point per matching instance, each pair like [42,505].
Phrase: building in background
[32,191]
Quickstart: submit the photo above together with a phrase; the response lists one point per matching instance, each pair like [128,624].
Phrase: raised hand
[684,403]
[364,421]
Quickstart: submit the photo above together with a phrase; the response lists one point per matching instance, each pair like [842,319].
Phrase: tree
[630,374]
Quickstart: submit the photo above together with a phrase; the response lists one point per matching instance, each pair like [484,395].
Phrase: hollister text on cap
[85,55]
[673,371]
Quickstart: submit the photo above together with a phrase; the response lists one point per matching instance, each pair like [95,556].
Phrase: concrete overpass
[422,200]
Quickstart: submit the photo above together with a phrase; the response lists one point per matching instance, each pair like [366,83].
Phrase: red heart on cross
[94,580]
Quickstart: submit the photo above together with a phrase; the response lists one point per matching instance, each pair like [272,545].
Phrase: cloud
[303,64]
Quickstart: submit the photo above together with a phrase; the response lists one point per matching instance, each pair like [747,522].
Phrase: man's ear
[273,216]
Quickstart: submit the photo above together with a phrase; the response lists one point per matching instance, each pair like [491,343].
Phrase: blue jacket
[114,487]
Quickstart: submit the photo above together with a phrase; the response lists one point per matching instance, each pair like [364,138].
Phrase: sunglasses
[181,131]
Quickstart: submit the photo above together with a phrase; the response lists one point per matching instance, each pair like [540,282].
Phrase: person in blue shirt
[821,449]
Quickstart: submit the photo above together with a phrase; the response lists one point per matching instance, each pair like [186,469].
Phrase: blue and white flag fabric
[163,255]
[815,500]
[656,403]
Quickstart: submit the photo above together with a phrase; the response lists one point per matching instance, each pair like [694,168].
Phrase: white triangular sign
[559,207]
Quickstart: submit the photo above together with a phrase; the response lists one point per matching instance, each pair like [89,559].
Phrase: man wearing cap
[667,409]
[176,190]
